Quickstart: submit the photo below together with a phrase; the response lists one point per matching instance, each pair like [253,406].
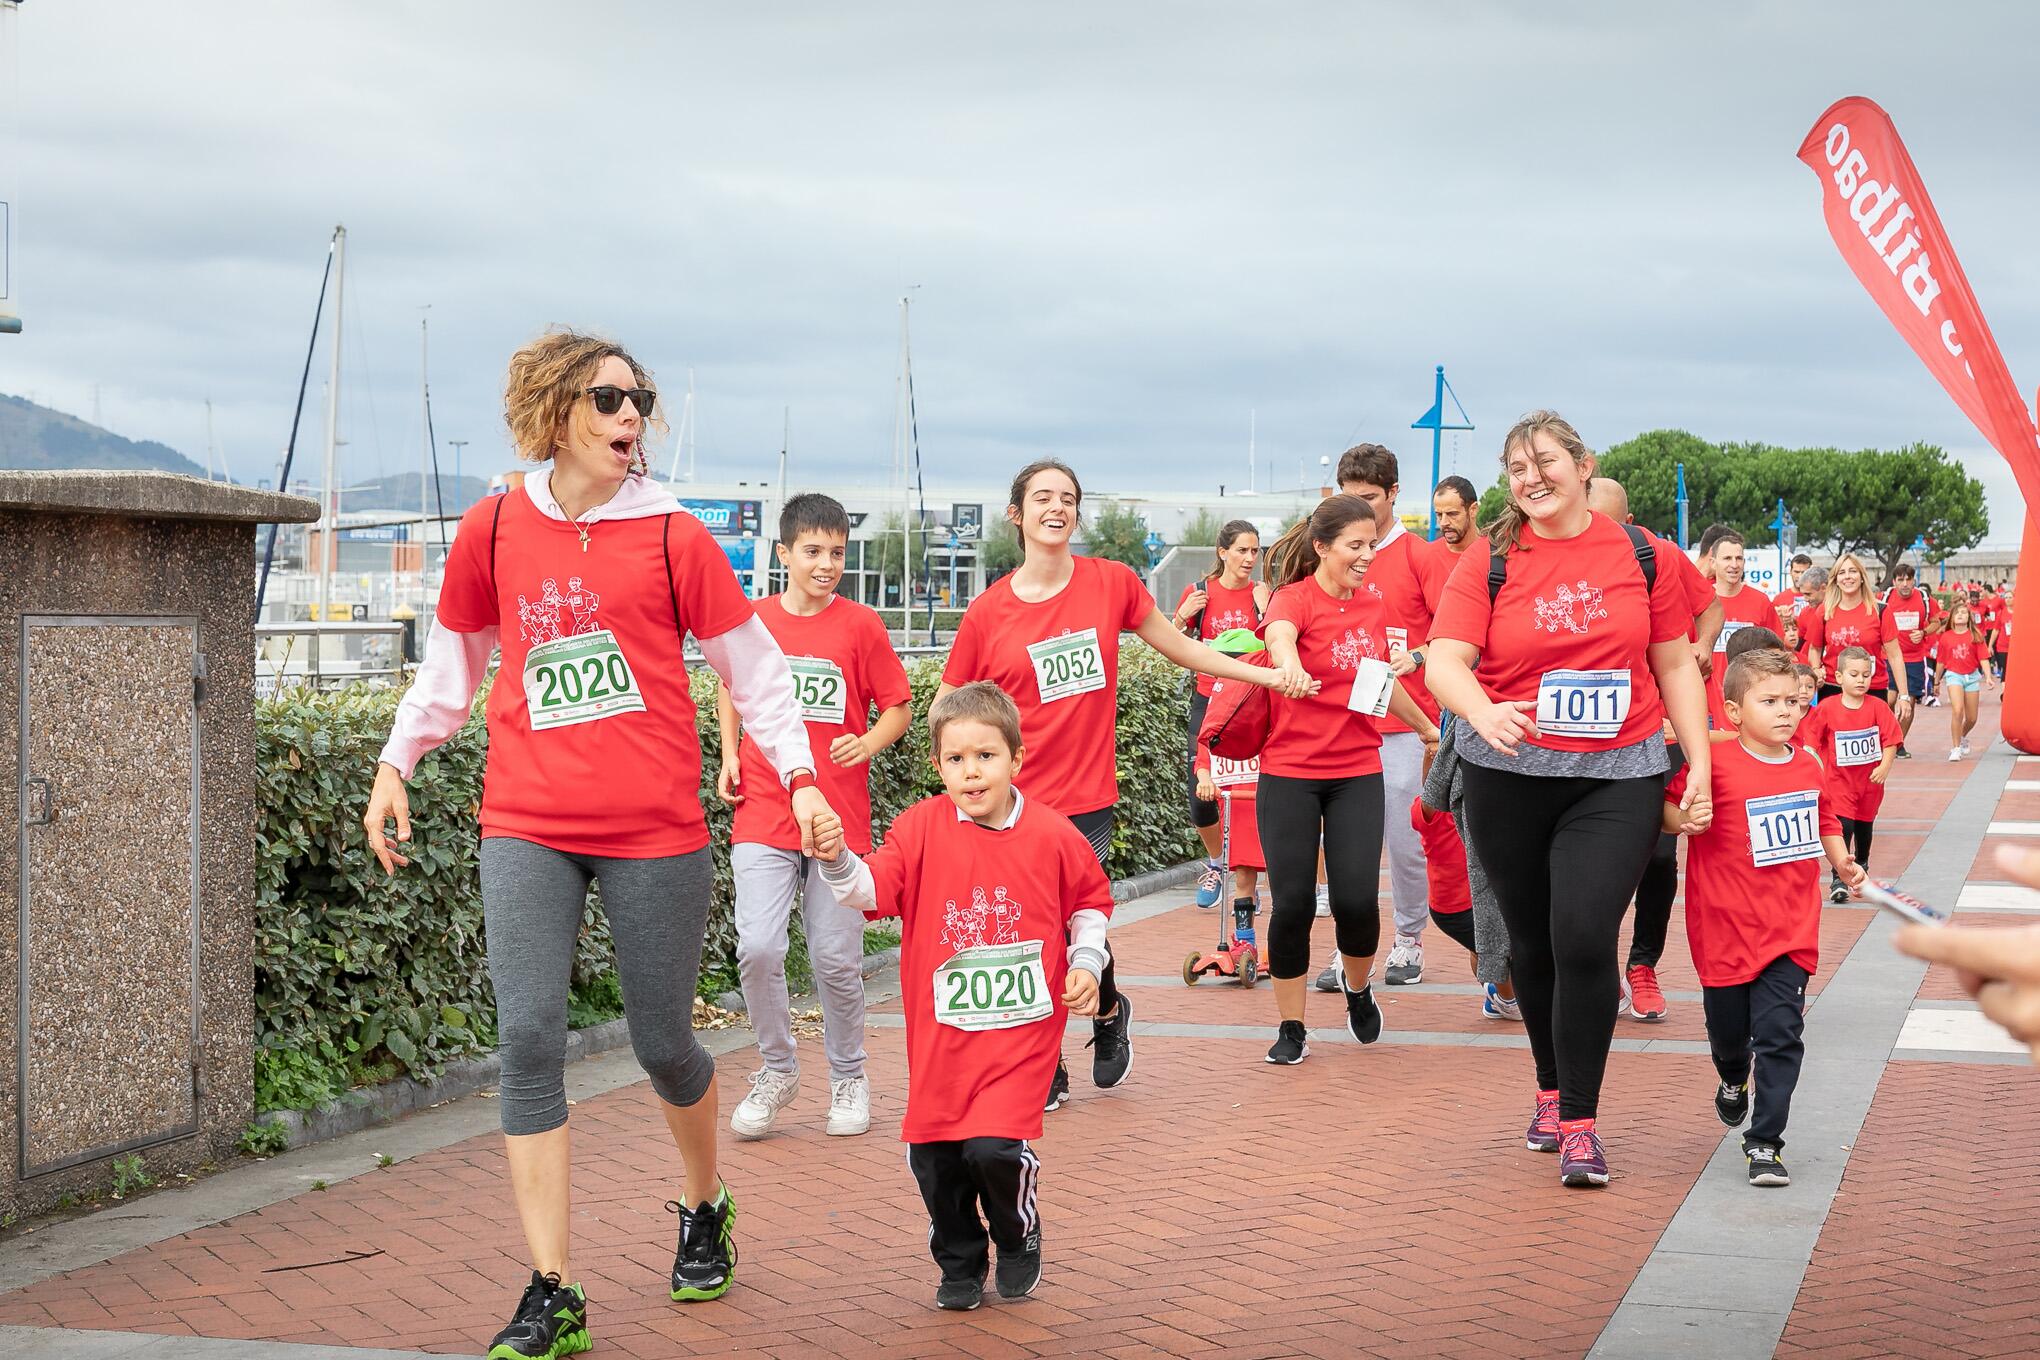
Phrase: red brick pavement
[1371,1202]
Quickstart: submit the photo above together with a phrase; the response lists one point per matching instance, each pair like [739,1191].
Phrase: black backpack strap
[494,520]
[1497,572]
[1646,556]
[666,554]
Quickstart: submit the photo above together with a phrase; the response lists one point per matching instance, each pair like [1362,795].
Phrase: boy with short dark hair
[1856,736]
[843,665]
[1753,900]
[1002,909]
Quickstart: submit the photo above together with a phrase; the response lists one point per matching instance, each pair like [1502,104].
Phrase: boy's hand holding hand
[1080,991]
[1852,874]
[849,749]
[1880,774]
[828,836]
[729,783]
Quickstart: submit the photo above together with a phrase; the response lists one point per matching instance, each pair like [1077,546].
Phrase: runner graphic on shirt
[1347,651]
[983,922]
[542,622]
[582,602]
[535,622]
[1573,608]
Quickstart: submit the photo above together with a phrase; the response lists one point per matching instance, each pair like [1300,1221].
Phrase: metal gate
[108,1021]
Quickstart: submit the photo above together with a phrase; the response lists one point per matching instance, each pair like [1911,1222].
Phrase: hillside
[400,492]
[33,436]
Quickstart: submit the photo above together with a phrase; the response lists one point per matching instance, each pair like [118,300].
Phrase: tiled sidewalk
[1370,1202]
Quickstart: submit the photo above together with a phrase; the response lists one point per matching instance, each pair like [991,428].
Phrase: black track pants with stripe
[957,1178]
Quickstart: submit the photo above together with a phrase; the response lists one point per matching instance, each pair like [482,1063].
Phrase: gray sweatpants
[1402,779]
[766,878]
[532,898]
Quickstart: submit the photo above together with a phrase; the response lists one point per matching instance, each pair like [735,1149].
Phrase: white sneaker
[1964,748]
[771,1092]
[1405,963]
[849,1106]
[1955,754]
[1324,900]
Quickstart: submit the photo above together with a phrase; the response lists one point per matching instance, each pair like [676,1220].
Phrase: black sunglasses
[609,400]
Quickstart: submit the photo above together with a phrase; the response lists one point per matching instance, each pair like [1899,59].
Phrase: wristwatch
[1417,657]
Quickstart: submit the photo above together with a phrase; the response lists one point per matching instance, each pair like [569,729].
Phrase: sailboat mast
[424,451]
[329,500]
[900,436]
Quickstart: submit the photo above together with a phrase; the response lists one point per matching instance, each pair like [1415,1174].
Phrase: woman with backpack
[1582,649]
[1228,597]
[1321,762]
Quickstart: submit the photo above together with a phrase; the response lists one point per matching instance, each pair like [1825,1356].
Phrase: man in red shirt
[1741,607]
[1408,576]
[1455,502]
[1790,602]
[1912,617]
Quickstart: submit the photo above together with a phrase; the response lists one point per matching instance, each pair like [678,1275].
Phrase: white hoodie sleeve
[441,695]
[850,879]
[749,661]
[1087,941]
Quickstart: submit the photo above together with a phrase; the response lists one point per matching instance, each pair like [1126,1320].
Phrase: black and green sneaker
[551,1320]
[706,1264]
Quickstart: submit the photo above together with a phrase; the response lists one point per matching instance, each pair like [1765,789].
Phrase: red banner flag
[1878,211]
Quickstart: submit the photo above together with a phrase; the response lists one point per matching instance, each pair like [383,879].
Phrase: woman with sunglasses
[589,577]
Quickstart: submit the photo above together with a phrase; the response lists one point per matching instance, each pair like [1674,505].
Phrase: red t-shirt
[1572,604]
[955,884]
[1699,590]
[1408,577]
[1069,641]
[1224,608]
[1319,737]
[1788,603]
[2004,629]
[1444,860]
[1959,653]
[1902,615]
[848,639]
[1850,742]
[1753,881]
[626,783]
[1747,608]
[1858,626]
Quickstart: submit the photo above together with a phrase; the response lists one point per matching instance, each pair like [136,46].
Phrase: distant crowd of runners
[1524,715]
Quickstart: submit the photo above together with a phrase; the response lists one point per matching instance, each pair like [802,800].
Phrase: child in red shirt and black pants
[1753,900]
[1002,911]
[1856,736]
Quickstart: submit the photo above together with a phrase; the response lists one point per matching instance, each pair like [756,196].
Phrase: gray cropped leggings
[658,912]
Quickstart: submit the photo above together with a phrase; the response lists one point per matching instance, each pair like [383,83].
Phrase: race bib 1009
[1068,665]
[818,688]
[993,986]
[1858,748]
[1590,704]
[1784,828]
[578,679]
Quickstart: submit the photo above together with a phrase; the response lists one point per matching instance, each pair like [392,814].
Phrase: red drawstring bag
[1237,717]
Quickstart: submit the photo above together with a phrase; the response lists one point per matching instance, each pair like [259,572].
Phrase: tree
[1201,531]
[883,555]
[999,551]
[1120,535]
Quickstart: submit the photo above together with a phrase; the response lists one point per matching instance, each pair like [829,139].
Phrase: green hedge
[359,977]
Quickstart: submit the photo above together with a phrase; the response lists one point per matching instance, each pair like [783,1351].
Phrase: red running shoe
[1543,1134]
[1581,1160]
[1646,998]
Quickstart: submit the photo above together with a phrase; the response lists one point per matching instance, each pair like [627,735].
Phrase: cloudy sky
[1124,226]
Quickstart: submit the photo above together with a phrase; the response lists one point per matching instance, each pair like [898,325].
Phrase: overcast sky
[1127,226]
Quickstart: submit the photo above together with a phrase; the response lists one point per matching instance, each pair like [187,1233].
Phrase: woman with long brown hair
[589,577]
[1227,597]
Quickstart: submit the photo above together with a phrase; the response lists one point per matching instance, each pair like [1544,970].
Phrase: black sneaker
[1765,1168]
[551,1320]
[1019,1271]
[1363,1017]
[1111,1047]
[1058,1089]
[1290,1047]
[1838,893]
[1732,1103]
[960,1296]
[706,1265]
[1903,754]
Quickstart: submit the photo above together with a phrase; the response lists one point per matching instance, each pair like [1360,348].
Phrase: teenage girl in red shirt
[1846,615]
[1228,597]
[1965,670]
[1048,635]
[589,576]
[1321,781]
[1564,780]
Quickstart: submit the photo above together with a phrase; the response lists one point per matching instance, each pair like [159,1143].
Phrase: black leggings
[1296,815]
[1203,811]
[1654,894]
[1563,856]
[1856,835]
[1458,927]
[1097,829]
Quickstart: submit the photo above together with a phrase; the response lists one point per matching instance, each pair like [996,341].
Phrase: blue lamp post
[1434,421]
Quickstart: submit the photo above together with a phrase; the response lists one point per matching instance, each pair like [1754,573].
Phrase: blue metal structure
[1434,421]
[1683,504]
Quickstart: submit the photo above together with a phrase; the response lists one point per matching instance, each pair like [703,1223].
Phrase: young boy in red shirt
[1856,736]
[1753,899]
[1002,909]
[843,666]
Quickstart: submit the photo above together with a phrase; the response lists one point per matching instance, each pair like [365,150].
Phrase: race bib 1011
[1784,828]
[1068,665]
[818,688]
[993,986]
[1591,704]
[578,679]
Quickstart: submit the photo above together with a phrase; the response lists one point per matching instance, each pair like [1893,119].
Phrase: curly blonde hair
[548,377]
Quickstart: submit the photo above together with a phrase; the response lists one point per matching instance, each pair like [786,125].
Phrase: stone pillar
[127,871]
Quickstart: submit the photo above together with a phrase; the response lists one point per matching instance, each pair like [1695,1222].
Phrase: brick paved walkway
[1371,1202]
